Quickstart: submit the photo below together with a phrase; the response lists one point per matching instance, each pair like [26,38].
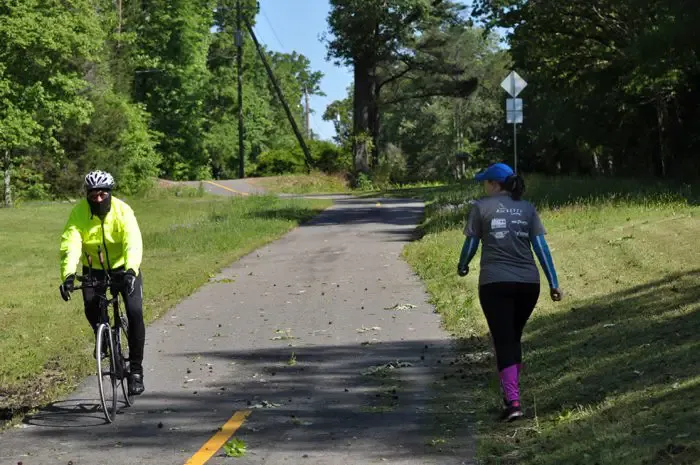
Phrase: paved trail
[290,333]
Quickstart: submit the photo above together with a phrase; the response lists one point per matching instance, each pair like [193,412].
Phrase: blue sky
[296,25]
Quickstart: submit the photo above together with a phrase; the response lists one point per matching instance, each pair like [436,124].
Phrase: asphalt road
[290,336]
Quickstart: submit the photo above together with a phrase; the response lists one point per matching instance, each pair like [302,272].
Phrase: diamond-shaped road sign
[513,84]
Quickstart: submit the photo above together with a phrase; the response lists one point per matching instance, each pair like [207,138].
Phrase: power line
[239,72]
[284,50]
[271,75]
[269,23]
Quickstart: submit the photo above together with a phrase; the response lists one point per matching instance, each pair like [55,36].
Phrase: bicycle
[108,337]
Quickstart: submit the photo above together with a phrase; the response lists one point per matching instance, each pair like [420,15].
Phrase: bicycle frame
[109,283]
[119,364]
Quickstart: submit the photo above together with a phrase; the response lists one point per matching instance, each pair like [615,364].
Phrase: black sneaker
[135,384]
[512,411]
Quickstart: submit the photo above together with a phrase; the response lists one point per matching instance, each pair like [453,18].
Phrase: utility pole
[308,114]
[239,66]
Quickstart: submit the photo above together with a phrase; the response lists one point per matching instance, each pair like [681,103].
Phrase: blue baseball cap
[496,172]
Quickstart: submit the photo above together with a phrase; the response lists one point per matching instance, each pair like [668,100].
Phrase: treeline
[147,88]
[144,88]
[614,86]
[426,88]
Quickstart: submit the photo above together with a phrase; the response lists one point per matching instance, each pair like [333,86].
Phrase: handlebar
[90,281]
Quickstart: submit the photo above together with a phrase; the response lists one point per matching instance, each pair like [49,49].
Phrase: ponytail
[515,185]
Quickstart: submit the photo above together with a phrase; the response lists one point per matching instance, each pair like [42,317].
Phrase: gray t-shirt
[505,227]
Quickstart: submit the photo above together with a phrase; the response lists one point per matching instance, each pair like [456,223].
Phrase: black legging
[507,307]
[134,311]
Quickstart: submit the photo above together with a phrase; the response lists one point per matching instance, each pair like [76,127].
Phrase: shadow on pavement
[357,212]
[71,413]
[375,398]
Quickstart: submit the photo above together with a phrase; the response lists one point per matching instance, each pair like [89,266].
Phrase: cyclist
[105,221]
[509,282]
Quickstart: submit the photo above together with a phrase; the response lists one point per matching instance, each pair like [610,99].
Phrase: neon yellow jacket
[83,233]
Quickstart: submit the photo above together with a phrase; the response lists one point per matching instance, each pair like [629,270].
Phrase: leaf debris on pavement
[401,307]
[265,404]
[378,369]
[364,329]
[283,335]
[235,448]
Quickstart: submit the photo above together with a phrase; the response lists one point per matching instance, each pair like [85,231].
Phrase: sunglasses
[97,193]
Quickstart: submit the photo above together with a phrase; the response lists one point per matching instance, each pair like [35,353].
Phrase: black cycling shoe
[135,384]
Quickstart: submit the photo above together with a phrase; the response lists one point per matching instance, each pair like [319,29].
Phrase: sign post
[514,84]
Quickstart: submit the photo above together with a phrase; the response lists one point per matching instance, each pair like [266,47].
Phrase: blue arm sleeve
[539,244]
[471,244]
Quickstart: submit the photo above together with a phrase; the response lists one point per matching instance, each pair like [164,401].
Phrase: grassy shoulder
[46,343]
[323,183]
[315,183]
[610,372]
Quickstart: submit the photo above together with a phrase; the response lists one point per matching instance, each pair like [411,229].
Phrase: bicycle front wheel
[106,372]
[122,350]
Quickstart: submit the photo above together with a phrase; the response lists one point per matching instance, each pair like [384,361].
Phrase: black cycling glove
[69,283]
[130,281]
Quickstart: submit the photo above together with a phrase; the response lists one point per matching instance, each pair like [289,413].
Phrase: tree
[44,49]
[138,88]
[384,42]
[340,112]
[431,131]
[172,81]
[266,127]
[632,63]
[301,80]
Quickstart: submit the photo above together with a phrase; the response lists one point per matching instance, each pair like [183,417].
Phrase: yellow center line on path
[226,188]
[219,439]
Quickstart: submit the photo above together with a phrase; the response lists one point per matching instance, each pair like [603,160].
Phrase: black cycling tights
[134,311]
[507,307]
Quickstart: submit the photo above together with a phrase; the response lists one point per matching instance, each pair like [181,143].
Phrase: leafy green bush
[281,161]
[363,182]
[330,158]
[26,182]
[326,156]
[392,168]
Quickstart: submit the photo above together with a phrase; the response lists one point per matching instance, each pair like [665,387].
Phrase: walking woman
[509,281]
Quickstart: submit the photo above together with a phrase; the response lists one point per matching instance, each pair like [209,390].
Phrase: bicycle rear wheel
[106,373]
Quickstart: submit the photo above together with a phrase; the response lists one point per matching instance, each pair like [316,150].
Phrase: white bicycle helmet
[99,180]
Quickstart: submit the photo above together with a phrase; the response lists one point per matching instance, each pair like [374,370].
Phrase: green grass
[314,183]
[324,183]
[611,372]
[45,343]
